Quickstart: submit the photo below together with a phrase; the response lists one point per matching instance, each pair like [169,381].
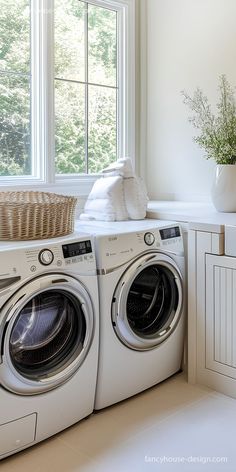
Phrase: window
[66,88]
[15,88]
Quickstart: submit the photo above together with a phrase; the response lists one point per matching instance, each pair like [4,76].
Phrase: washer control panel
[30,258]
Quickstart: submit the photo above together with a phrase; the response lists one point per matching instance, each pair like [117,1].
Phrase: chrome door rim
[120,322]
[10,377]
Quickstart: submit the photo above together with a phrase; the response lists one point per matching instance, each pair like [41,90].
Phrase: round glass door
[152,300]
[48,330]
[46,334]
[147,303]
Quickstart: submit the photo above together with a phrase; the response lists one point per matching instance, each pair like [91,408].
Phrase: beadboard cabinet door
[221,315]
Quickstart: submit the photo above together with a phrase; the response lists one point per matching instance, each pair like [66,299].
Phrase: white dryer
[141,275]
[48,338]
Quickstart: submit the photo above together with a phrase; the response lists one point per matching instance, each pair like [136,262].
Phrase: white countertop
[200,216]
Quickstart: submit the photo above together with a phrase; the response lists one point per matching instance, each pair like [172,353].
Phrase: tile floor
[171,427]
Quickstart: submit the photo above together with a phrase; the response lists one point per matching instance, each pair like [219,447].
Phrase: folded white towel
[119,202]
[122,166]
[127,170]
[119,195]
[135,198]
[106,200]
[100,205]
[104,188]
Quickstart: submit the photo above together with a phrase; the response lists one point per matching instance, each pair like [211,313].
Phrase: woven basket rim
[28,215]
[53,198]
[33,192]
[34,203]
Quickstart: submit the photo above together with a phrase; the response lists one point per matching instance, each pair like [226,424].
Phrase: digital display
[76,249]
[169,233]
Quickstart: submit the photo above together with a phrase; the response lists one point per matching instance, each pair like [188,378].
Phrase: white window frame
[42,130]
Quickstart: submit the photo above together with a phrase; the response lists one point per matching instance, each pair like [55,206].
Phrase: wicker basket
[35,215]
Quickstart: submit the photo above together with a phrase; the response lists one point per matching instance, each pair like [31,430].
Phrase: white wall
[190,43]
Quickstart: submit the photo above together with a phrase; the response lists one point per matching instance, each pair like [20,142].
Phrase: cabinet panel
[203,246]
[221,315]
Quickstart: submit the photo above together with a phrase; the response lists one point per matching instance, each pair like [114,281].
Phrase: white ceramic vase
[223,190]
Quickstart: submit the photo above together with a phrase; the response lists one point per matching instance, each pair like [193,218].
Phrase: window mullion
[86,85]
[47,151]
[118,111]
[35,89]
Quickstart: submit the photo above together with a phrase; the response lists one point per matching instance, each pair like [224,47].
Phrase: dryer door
[148,302]
[47,331]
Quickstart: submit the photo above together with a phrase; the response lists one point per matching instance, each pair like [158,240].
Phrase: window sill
[80,187]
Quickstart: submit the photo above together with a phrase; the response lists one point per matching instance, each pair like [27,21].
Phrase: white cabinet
[221,315]
[211,313]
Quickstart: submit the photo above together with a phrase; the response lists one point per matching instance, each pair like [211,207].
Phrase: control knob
[149,239]
[46,257]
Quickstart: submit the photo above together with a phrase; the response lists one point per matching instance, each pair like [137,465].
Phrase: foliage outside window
[86,89]
[14,87]
[85,86]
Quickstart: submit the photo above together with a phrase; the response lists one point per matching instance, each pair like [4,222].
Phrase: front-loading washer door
[48,327]
[147,302]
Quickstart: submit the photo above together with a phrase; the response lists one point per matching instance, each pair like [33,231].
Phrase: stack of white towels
[117,196]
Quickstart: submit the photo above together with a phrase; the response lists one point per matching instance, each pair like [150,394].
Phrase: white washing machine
[141,275]
[49,324]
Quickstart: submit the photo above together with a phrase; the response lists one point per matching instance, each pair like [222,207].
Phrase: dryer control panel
[165,237]
[116,249]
